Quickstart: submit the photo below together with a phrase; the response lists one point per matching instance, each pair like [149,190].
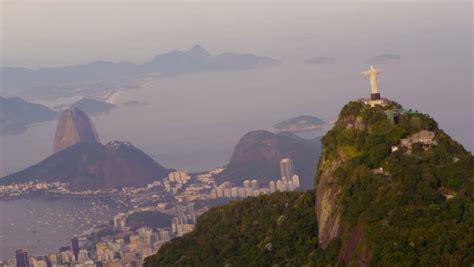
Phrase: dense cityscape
[125,242]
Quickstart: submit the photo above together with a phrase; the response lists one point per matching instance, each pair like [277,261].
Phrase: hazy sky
[47,33]
[434,39]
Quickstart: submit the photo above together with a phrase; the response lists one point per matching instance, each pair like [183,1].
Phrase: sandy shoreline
[113,97]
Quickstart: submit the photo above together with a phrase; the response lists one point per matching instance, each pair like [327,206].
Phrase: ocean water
[43,225]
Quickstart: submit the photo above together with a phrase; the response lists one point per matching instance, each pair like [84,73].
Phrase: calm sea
[44,225]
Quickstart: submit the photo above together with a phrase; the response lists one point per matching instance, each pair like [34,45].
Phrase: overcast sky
[49,33]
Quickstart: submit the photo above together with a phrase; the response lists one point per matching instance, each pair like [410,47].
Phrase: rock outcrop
[74,127]
[327,188]
[327,211]
[258,154]
[349,252]
[93,165]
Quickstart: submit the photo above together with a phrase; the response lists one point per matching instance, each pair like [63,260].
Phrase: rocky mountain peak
[199,50]
[74,127]
[258,154]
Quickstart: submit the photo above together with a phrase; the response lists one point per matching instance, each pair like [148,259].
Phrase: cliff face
[74,127]
[326,207]
[328,188]
[93,165]
[258,155]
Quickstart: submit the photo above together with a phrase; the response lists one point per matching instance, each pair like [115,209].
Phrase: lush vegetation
[266,230]
[405,217]
[415,206]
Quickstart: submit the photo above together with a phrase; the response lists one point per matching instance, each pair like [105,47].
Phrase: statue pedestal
[374,102]
[375,96]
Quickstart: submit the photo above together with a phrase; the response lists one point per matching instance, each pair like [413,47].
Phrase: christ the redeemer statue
[372,73]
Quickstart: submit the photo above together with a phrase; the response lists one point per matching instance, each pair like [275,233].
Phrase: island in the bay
[298,124]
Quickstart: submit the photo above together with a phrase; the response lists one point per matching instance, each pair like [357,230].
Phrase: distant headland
[298,124]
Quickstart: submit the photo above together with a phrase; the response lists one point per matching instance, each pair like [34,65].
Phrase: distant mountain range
[198,59]
[257,156]
[174,62]
[16,113]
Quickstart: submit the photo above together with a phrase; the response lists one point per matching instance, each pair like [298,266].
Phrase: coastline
[113,96]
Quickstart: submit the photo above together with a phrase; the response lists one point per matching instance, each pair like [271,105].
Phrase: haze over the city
[193,118]
[433,40]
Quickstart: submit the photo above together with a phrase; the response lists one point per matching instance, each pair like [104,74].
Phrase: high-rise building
[67,257]
[220,192]
[290,186]
[75,247]
[41,263]
[234,191]
[21,258]
[296,181]
[249,192]
[286,168]
[225,185]
[53,259]
[241,192]
[247,184]
[155,237]
[178,177]
[165,235]
[185,212]
[227,193]
[272,187]
[82,256]
[119,220]
[213,194]
[254,184]
[31,261]
[279,186]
